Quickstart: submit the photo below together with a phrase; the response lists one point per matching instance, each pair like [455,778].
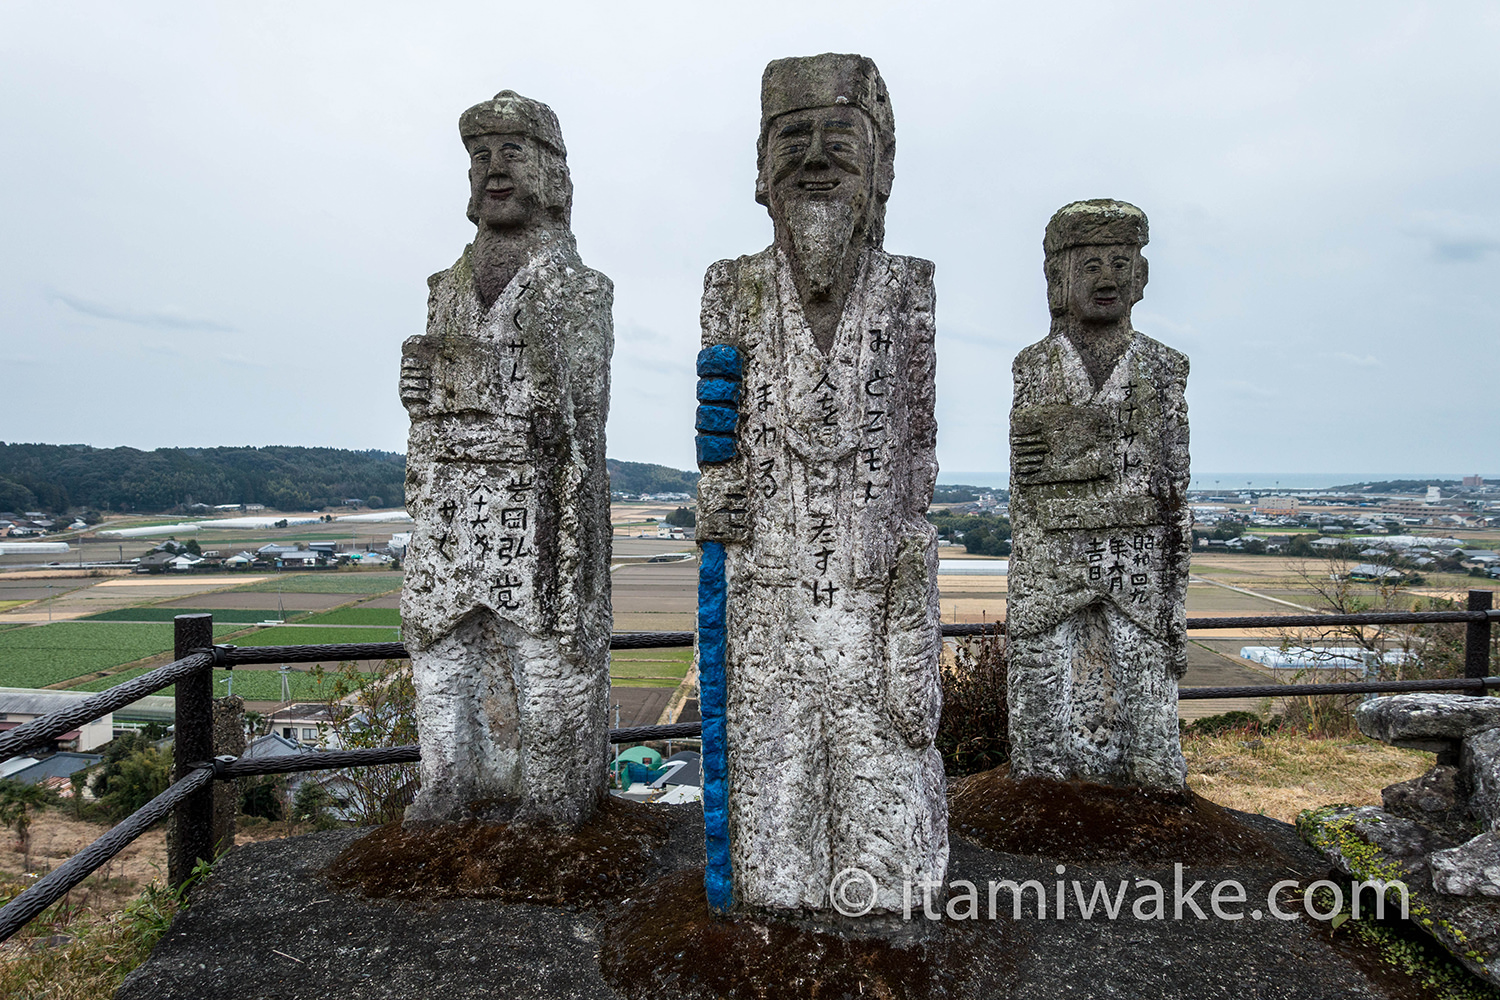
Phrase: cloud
[1455,237]
[1365,361]
[167,320]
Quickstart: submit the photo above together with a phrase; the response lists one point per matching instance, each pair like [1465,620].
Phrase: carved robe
[506,603]
[832,639]
[1098,574]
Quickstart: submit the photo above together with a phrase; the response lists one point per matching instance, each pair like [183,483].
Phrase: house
[1372,572]
[19,706]
[240,561]
[308,723]
[156,562]
[46,770]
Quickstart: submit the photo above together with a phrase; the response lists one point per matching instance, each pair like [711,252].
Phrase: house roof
[59,765]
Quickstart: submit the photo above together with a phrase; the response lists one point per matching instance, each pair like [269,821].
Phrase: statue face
[820,155]
[505,180]
[1104,282]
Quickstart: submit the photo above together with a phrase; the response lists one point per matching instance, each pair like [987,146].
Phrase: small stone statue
[1101,526]
[506,604]
[818,621]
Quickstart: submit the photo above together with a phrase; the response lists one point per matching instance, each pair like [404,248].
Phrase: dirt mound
[1078,821]
[605,859]
[665,943]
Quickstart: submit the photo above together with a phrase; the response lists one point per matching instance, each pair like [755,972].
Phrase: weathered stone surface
[1406,718]
[266,924]
[1481,772]
[506,601]
[1099,519]
[1438,799]
[1470,869]
[830,638]
[1466,924]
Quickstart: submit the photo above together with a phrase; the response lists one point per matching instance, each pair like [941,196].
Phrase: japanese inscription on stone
[506,603]
[1099,476]
[817,472]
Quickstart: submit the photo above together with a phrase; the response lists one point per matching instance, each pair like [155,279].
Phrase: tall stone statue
[506,604]
[1100,520]
[818,618]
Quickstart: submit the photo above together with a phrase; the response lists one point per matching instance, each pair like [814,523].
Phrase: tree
[19,804]
[375,502]
[683,518]
[141,777]
[371,709]
[193,547]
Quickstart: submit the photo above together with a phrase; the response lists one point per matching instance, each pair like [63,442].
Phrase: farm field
[327,582]
[249,683]
[357,616]
[649,667]
[247,616]
[40,655]
[315,636]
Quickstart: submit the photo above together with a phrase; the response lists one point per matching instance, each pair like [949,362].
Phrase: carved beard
[821,234]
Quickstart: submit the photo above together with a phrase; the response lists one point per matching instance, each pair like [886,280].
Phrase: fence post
[1477,636]
[190,835]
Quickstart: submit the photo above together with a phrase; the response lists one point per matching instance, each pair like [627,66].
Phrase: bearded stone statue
[818,614]
[506,603]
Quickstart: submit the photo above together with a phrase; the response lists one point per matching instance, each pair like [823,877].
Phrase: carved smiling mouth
[818,185]
[499,194]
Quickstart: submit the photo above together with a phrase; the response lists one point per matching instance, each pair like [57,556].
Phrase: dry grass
[81,947]
[1281,774]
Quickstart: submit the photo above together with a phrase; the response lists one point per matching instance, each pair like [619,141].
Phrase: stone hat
[803,82]
[1098,222]
[509,112]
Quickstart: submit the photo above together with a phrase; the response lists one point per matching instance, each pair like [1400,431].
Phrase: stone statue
[506,604]
[1101,527]
[818,621]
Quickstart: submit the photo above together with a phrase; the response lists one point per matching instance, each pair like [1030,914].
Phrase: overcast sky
[217,220]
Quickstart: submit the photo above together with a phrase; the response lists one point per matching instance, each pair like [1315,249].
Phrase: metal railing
[195,767]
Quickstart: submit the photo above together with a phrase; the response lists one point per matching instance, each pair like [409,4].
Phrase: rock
[1481,769]
[1438,799]
[1408,719]
[266,923]
[506,602]
[1099,473]
[1371,844]
[818,617]
[1470,869]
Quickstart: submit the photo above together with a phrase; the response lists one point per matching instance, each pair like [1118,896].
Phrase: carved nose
[817,155]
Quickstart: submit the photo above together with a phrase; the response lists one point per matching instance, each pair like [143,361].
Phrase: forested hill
[639,477]
[56,478]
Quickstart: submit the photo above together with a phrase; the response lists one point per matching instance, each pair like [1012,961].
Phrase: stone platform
[269,923]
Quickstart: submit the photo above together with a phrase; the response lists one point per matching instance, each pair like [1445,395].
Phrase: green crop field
[649,667]
[47,654]
[328,582]
[315,636]
[252,685]
[357,616]
[231,615]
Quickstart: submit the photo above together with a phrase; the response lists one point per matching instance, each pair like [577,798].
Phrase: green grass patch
[158,614]
[357,616]
[47,654]
[252,685]
[315,636]
[327,582]
[7,605]
[641,682]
